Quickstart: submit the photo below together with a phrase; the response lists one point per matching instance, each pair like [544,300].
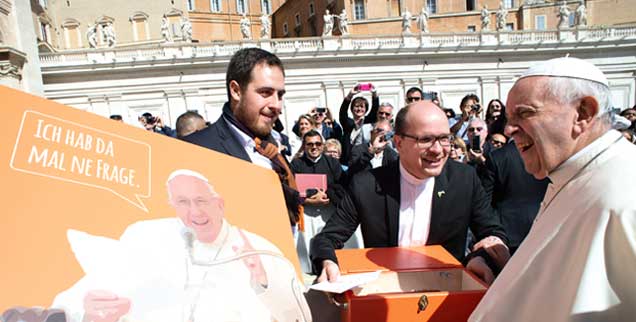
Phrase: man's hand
[377,142]
[476,156]
[330,271]
[496,248]
[253,262]
[104,306]
[319,199]
[477,265]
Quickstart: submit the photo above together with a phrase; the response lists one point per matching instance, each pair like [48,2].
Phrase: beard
[252,121]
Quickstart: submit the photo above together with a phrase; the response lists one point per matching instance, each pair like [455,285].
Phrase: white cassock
[168,287]
[578,263]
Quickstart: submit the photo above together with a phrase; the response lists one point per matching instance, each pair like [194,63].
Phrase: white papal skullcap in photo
[567,67]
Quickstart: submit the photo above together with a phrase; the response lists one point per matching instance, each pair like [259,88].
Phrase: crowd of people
[511,167]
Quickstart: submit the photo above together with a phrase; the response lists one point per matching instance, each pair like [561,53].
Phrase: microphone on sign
[188,237]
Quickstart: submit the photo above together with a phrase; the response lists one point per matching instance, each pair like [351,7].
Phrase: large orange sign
[63,168]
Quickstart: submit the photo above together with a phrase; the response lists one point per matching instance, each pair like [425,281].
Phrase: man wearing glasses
[419,200]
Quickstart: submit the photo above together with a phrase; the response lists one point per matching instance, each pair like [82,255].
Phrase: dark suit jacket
[361,158]
[373,202]
[219,137]
[516,195]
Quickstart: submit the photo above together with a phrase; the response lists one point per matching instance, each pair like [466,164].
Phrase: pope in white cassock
[578,263]
[199,269]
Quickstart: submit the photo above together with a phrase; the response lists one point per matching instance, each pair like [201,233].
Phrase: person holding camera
[479,147]
[319,116]
[471,109]
[155,124]
[378,152]
[352,127]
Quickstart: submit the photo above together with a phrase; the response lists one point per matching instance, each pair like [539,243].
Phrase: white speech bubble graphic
[55,148]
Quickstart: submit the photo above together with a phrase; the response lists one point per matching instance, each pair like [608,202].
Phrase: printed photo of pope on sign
[194,267]
[103,221]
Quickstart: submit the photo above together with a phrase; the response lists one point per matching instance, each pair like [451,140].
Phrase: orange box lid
[395,259]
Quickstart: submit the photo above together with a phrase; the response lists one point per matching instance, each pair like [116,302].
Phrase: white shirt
[248,144]
[578,262]
[376,161]
[416,198]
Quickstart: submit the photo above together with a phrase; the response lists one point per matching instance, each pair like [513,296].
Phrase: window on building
[394,8]
[510,26]
[571,21]
[509,4]
[297,19]
[139,23]
[240,6]
[266,6]
[539,22]
[358,12]
[470,5]
[45,35]
[431,6]
[285,30]
[312,11]
[215,5]
[72,34]
[472,28]
[190,5]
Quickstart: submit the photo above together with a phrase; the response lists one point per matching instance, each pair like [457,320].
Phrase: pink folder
[306,181]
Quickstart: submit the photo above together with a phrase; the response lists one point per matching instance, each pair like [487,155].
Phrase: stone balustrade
[333,45]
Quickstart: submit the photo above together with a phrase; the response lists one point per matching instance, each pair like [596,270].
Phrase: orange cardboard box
[416,284]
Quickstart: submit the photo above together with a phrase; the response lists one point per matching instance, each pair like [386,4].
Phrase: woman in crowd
[352,128]
[304,124]
[496,117]
[458,150]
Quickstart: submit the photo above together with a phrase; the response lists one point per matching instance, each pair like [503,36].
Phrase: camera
[311,192]
[475,143]
[430,96]
[388,136]
[321,110]
[475,107]
[365,87]
[150,119]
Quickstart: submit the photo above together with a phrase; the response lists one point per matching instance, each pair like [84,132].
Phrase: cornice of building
[340,49]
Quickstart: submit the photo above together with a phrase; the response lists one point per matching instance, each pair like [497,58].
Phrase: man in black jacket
[255,83]
[377,152]
[419,200]
[516,195]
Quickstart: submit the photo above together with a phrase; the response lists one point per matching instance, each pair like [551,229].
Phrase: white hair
[188,173]
[567,90]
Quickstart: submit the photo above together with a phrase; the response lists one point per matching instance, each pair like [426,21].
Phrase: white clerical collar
[410,179]
[568,169]
[314,161]
[246,140]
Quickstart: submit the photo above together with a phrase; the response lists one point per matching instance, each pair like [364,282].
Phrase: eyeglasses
[384,113]
[475,129]
[313,144]
[413,99]
[183,203]
[426,142]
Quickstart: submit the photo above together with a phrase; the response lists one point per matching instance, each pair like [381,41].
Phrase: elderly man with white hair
[193,267]
[577,263]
